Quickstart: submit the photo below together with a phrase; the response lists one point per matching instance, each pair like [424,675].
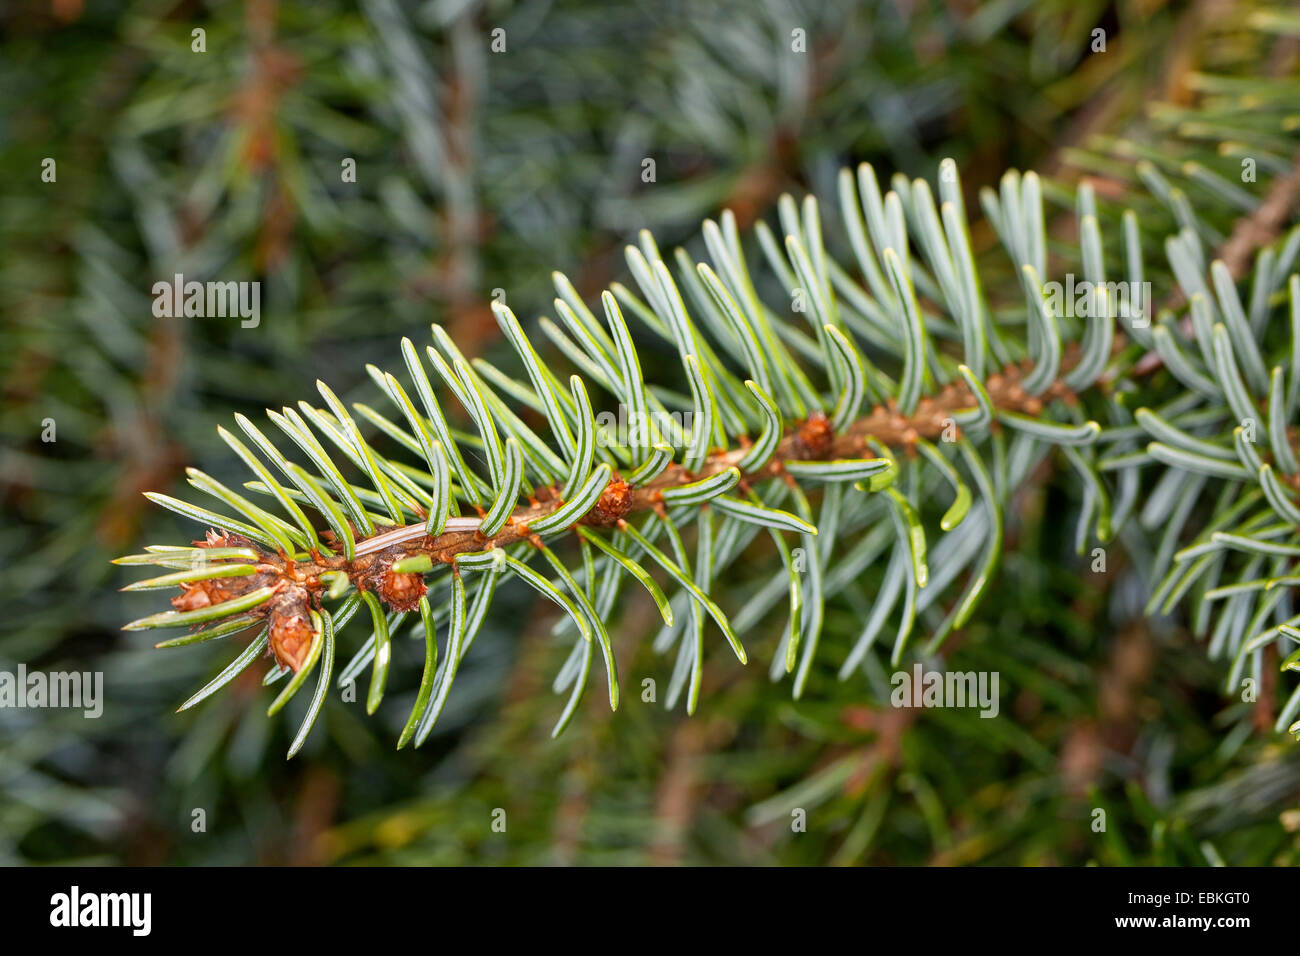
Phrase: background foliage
[480,171]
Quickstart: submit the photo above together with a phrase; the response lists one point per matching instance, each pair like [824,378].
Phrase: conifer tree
[828,432]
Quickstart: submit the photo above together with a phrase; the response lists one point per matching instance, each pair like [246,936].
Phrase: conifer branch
[889,396]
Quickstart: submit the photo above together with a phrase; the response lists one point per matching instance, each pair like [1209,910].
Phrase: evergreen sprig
[889,422]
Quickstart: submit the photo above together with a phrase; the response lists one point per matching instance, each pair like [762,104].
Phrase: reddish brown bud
[401,592]
[814,436]
[290,633]
[193,596]
[197,594]
[615,501]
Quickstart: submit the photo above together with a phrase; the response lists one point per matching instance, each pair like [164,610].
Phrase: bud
[813,438]
[200,594]
[290,632]
[615,501]
[401,592]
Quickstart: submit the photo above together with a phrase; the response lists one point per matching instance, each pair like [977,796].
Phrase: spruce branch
[859,435]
